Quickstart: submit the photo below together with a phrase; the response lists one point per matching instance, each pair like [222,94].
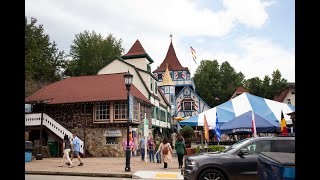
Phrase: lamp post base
[128,168]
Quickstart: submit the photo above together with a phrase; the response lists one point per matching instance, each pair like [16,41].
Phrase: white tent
[266,108]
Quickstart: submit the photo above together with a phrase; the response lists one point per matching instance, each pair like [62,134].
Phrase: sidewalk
[105,167]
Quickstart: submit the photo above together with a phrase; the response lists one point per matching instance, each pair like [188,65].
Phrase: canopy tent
[243,124]
[266,108]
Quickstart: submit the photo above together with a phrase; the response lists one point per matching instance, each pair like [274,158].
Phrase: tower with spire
[187,102]
[168,89]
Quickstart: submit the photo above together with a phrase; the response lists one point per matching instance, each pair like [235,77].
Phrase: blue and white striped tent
[266,108]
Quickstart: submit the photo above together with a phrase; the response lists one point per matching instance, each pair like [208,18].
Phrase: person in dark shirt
[180,148]
[67,145]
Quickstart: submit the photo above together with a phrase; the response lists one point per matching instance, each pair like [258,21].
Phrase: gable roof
[137,51]
[172,60]
[238,91]
[137,70]
[280,97]
[104,87]
[191,90]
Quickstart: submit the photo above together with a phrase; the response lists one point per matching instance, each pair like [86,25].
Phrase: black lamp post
[39,156]
[128,81]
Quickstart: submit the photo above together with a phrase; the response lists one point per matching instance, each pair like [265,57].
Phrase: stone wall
[69,115]
[93,134]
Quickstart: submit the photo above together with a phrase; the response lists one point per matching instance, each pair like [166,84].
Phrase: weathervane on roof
[171,37]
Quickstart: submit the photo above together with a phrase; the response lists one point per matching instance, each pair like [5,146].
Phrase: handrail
[35,120]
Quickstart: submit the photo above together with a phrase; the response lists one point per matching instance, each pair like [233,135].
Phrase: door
[245,167]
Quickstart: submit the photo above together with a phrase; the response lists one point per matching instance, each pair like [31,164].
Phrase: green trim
[139,56]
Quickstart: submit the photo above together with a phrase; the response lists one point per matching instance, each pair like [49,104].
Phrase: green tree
[43,60]
[90,52]
[215,84]
[278,84]
[207,81]
[269,87]
[254,86]
[230,81]
[266,86]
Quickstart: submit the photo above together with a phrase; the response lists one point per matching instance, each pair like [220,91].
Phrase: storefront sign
[113,133]
[242,130]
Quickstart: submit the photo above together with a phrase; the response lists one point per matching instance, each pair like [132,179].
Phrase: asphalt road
[57,177]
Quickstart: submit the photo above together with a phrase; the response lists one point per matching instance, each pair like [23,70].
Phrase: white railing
[35,120]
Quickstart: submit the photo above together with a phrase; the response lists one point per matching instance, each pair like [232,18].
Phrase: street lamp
[39,156]
[128,81]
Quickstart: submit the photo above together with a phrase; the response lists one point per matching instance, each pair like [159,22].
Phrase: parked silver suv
[239,161]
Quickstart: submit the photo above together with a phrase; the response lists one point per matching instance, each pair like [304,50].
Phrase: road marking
[157,175]
[166,175]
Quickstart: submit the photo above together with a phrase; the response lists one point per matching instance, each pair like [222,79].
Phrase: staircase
[35,120]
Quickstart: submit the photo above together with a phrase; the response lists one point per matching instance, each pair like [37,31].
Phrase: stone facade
[93,134]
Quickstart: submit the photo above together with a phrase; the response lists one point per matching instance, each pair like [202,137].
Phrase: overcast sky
[256,37]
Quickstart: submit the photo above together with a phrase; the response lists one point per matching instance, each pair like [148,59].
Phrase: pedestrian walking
[151,148]
[76,148]
[166,152]
[66,150]
[180,148]
[173,138]
[157,140]
[142,148]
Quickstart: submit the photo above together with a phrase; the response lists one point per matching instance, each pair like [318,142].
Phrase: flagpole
[190,62]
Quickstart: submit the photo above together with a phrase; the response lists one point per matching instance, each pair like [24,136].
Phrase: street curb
[79,174]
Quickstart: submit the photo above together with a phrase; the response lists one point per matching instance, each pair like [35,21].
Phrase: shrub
[187,133]
[214,148]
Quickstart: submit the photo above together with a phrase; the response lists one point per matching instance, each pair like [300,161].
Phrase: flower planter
[190,151]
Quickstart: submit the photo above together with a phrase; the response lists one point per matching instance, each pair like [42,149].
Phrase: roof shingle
[104,87]
[172,60]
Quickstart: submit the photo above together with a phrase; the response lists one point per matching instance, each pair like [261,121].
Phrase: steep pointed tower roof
[172,60]
[137,51]
[167,81]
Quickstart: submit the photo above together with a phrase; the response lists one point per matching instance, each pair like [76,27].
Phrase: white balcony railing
[35,120]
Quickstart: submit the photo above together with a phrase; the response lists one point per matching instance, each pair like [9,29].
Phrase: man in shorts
[76,149]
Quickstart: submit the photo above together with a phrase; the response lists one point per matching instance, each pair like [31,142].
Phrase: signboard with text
[130,108]
[146,127]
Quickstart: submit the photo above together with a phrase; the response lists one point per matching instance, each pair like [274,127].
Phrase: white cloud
[178,17]
[257,58]
[152,21]
[248,12]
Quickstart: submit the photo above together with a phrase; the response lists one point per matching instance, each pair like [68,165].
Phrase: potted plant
[187,133]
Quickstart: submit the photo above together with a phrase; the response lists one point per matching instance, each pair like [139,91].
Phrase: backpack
[165,150]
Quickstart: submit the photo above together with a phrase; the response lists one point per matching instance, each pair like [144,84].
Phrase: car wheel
[211,174]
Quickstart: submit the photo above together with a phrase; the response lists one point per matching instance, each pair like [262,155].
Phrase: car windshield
[233,146]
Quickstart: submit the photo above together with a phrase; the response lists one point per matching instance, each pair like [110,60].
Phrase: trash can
[53,147]
[28,154]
